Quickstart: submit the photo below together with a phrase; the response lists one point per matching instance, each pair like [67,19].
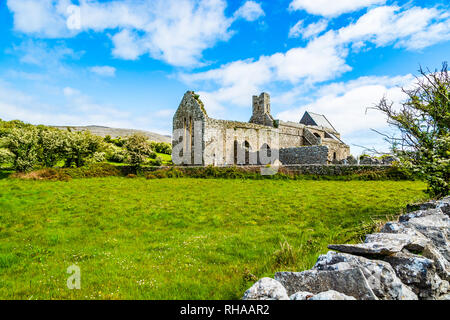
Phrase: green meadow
[178,238]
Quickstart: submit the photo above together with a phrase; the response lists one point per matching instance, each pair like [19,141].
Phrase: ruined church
[198,139]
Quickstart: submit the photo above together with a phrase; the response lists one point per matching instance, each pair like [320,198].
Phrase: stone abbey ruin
[200,140]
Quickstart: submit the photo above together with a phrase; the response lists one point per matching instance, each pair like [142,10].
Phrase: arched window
[334,156]
[265,152]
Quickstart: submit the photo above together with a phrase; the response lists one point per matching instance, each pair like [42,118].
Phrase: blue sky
[128,63]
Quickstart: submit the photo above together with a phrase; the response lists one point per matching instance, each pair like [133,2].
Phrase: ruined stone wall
[190,111]
[304,155]
[223,142]
[291,135]
[336,150]
[221,136]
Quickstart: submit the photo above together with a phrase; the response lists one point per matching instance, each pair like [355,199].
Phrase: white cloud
[319,61]
[310,31]
[250,11]
[332,8]
[413,28]
[45,18]
[345,104]
[105,71]
[174,31]
[323,58]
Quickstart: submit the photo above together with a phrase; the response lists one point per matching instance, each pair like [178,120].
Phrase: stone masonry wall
[304,155]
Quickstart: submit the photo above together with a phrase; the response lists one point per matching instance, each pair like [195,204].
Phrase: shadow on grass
[5,173]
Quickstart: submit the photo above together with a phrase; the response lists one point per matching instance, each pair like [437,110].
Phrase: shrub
[95,170]
[138,149]
[161,147]
[23,144]
[6,157]
[44,174]
[116,154]
[154,162]
[51,146]
[80,146]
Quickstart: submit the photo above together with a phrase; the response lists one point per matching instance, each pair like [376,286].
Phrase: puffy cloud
[332,8]
[310,31]
[320,60]
[44,18]
[345,104]
[174,31]
[127,45]
[413,28]
[323,58]
[250,11]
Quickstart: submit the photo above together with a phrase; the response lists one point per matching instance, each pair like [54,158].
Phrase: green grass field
[177,238]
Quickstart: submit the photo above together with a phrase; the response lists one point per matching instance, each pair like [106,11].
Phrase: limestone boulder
[380,275]
[266,289]
[301,295]
[443,204]
[350,282]
[419,274]
[369,249]
[331,295]
[435,227]
[420,214]
[441,264]
[416,242]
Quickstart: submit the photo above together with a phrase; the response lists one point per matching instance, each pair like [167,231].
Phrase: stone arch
[266,151]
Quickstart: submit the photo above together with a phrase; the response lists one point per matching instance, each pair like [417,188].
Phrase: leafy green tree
[51,146]
[6,157]
[423,121]
[22,143]
[81,146]
[138,149]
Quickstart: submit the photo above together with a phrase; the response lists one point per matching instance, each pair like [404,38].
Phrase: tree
[79,147]
[423,121]
[138,149]
[51,146]
[22,143]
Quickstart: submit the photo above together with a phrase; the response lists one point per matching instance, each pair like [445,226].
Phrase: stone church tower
[261,110]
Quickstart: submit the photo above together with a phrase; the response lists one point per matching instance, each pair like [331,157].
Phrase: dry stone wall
[408,259]
[304,155]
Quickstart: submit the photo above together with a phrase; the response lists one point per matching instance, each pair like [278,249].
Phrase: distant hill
[116,132]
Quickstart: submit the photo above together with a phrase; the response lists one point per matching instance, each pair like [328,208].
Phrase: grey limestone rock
[266,289]
[380,276]
[419,274]
[331,295]
[301,295]
[350,282]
